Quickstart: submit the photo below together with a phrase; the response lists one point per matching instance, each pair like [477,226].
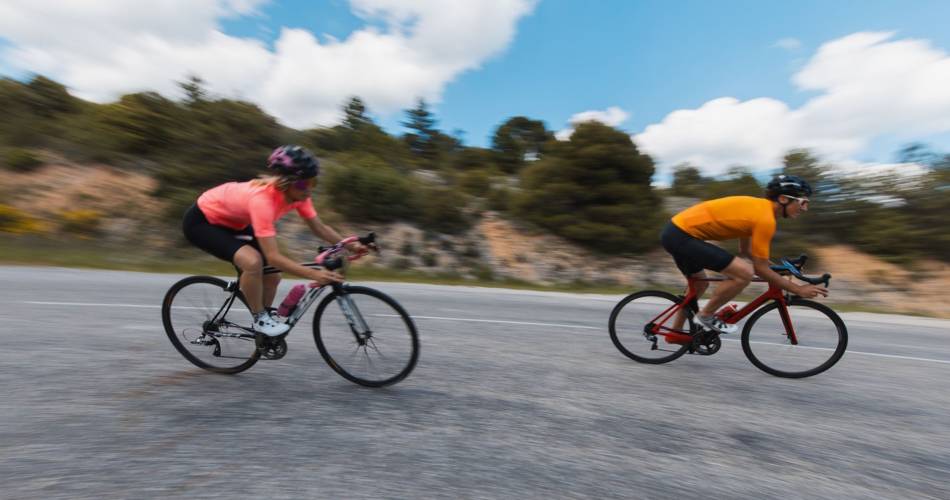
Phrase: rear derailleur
[271,347]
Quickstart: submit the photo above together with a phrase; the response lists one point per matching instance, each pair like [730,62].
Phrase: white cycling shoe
[266,324]
[717,325]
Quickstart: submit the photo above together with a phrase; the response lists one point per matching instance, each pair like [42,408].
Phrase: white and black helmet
[789,185]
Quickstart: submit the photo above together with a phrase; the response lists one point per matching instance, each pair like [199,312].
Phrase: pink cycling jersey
[237,204]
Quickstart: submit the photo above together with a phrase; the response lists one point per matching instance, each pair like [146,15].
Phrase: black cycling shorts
[692,255]
[222,242]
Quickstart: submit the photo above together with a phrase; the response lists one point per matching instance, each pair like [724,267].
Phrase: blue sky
[551,60]
[647,57]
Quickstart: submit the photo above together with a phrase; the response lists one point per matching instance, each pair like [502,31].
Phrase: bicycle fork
[352,314]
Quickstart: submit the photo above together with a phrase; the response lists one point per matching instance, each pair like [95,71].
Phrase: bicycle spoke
[388,352]
[630,320]
[821,339]
[186,311]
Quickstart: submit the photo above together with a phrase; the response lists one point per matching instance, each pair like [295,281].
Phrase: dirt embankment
[124,209]
[857,278]
[88,200]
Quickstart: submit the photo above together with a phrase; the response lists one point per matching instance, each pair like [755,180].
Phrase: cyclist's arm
[744,246]
[321,230]
[280,261]
[763,271]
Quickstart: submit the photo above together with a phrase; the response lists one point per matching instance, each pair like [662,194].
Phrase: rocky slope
[126,213]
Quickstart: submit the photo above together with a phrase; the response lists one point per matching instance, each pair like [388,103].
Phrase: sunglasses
[802,201]
[304,184]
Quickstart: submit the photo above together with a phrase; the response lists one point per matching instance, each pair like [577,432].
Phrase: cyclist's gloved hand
[357,248]
[811,291]
[324,277]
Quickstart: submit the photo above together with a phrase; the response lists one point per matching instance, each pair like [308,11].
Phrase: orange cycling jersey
[729,218]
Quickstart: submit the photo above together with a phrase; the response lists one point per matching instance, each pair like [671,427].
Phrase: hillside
[98,201]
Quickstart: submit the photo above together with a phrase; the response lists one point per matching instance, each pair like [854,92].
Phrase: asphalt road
[516,395]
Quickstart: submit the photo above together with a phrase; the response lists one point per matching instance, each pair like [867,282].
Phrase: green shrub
[21,160]
[401,264]
[369,189]
[475,182]
[15,221]
[83,223]
[499,199]
[442,211]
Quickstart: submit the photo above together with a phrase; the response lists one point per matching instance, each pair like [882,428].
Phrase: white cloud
[789,44]
[868,84]
[104,49]
[612,116]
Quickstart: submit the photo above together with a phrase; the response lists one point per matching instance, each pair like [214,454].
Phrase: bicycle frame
[656,326]
[350,311]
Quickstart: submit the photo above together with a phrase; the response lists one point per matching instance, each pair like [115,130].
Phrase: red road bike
[641,327]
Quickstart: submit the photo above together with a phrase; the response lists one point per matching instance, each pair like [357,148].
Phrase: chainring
[271,348]
[707,345]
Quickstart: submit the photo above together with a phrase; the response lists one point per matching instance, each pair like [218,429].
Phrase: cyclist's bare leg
[700,286]
[270,288]
[740,273]
[251,264]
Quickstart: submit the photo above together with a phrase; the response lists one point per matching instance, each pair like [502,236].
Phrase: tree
[194,88]
[737,181]
[595,190]
[141,123]
[517,140]
[919,153]
[422,140]
[49,98]
[354,115]
[803,163]
[687,181]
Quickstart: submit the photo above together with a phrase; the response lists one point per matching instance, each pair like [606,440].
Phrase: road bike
[641,327]
[362,333]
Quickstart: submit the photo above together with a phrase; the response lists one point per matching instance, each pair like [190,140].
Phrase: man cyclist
[749,219]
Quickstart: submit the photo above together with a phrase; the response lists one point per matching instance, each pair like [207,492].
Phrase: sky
[715,83]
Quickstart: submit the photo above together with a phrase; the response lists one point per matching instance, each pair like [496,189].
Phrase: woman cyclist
[235,222]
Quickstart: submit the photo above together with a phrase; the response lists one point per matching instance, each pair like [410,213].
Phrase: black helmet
[790,185]
[293,161]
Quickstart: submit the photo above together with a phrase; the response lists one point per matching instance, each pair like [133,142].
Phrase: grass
[90,254]
[32,250]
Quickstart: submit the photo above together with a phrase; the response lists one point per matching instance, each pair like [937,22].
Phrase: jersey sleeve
[306,210]
[762,238]
[263,213]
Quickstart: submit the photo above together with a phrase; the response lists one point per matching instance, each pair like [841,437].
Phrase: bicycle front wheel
[820,333]
[365,336]
[204,330]
[635,332]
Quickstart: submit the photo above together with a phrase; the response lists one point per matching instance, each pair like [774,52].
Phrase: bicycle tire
[634,334]
[322,324]
[837,351]
[173,334]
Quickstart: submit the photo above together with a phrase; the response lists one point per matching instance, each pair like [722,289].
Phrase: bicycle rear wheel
[221,345]
[820,332]
[631,334]
[365,336]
